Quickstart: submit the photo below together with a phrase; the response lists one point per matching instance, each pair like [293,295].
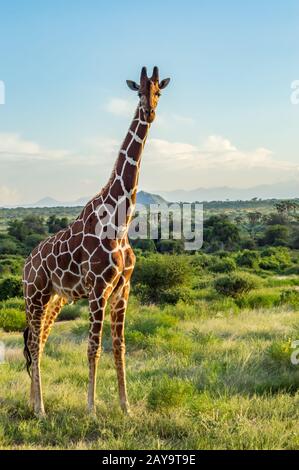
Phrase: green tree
[254,219]
[11,286]
[218,230]
[21,229]
[170,246]
[145,245]
[276,235]
[276,219]
[55,223]
[8,246]
[32,241]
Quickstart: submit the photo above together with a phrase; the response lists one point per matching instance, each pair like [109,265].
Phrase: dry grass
[223,382]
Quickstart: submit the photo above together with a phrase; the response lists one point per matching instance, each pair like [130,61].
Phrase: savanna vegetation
[209,339]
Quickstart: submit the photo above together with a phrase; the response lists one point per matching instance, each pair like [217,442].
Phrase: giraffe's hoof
[40,414]
[126,409]
[92,411]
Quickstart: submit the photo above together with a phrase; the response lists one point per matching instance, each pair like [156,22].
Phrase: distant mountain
[46,202]
[149,198]
[286,190]
[142,198]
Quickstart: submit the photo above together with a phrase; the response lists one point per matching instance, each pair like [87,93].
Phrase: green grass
[223,381]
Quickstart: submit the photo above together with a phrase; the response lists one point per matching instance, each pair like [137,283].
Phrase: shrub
[175,294]
[15,303]
[236,284]
[275,258]
[295,241]
[200,260]
[223,254]
[280,351]
[12,319]
[290,297]
[70,312]
[136,339]
[156,278]
[248,244]
[224,265]
[248,259]
[262,298]
[169,393]
[11,287]
[163,296]
[148,325]
[225,304]
[11,265]
[146,245]
[270,263]
[292,270]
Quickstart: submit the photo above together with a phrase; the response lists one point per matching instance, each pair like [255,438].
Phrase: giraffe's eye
[158,93]
[139,94]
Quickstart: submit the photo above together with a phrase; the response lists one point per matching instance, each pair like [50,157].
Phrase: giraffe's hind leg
[53,308]
[97,304]
[118,308]
[42,329]
[36,309]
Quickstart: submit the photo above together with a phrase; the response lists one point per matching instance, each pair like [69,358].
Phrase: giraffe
[81,261]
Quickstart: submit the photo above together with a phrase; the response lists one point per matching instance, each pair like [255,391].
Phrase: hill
[285,190]
[143,197]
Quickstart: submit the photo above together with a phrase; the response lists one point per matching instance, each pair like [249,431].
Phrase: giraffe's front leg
[97,311]
[118,310]
[34,346]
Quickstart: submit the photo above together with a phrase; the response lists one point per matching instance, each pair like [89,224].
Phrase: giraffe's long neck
[123,183]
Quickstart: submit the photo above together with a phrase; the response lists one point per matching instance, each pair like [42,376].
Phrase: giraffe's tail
[27,354]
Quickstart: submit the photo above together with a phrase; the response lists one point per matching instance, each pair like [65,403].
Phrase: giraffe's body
[81,261]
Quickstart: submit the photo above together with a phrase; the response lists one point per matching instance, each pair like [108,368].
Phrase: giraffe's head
[149,91]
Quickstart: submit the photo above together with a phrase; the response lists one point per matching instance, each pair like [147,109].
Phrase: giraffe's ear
[132,85]
[164,83]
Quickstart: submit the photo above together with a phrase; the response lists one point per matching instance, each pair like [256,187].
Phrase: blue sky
[226,118]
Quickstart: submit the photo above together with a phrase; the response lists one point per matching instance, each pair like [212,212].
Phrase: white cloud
[120,107]
[14,147]
[216,162]
[8,195]
[215,144]
[166,165]
[103,144]
[173,151]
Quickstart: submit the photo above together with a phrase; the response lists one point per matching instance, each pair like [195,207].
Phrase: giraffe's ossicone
[91,258]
